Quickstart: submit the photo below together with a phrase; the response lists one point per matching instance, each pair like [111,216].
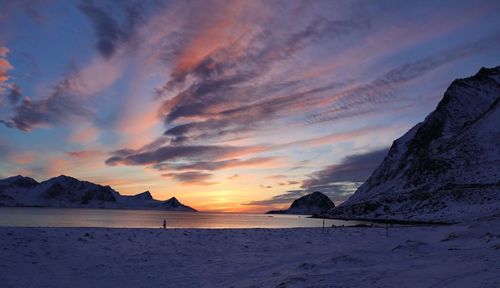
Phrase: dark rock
[310,204]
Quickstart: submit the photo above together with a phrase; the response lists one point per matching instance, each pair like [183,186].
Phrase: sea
[122,218]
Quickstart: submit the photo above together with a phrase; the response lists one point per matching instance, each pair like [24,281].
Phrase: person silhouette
[164,223]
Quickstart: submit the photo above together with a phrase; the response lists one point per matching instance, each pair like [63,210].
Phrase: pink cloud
[218,24]
[23,158]
[85,135]
[85,154]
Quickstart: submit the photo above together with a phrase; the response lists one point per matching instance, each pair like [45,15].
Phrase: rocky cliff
[313,203]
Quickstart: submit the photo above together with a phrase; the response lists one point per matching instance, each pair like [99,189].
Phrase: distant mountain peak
[144,195]
[172,202]
[19,180]
[64,178]
[67,191]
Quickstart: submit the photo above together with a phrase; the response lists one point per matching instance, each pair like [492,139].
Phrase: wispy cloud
[111,31]
[68,99]
[23,158]
[281,199]
[352,168]
[179,153]
[85,153]
[338,181]
[222,96]
[218,103]
[382,88]
[337,192]
[191,178]
[5,66]
[258,162]
[57,107]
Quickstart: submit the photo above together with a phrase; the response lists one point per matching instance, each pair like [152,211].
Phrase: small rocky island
[310,204]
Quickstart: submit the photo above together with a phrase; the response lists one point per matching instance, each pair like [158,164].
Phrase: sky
[234,106]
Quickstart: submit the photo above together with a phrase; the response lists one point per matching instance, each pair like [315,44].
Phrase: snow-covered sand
[464,255]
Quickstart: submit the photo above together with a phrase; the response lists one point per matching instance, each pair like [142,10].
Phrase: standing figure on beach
[164,223]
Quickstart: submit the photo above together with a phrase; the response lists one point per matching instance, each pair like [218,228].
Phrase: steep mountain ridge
[66,191]
[446,168]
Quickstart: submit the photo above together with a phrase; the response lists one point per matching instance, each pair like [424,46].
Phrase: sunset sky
[227,105]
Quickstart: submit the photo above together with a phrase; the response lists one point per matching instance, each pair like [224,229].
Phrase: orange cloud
[3,51]
[4,67]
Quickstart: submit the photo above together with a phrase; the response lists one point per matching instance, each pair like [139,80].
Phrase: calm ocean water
[69,217]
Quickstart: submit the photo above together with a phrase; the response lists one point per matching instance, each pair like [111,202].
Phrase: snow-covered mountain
[313,203]
[446,168]
[65,191]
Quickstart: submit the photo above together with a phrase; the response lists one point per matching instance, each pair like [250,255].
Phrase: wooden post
[323,224]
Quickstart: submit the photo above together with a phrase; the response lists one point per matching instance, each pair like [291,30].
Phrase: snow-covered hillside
[446,168]
[310,204]
[65,191]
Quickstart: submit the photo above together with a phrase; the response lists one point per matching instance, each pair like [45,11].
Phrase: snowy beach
[464,255]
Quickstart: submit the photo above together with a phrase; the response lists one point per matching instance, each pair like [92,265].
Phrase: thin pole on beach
[323,224]
[386,227]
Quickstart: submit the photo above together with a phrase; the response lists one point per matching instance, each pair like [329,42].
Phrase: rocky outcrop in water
[313,203]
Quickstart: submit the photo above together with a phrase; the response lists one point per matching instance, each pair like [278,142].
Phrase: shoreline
[390,221]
